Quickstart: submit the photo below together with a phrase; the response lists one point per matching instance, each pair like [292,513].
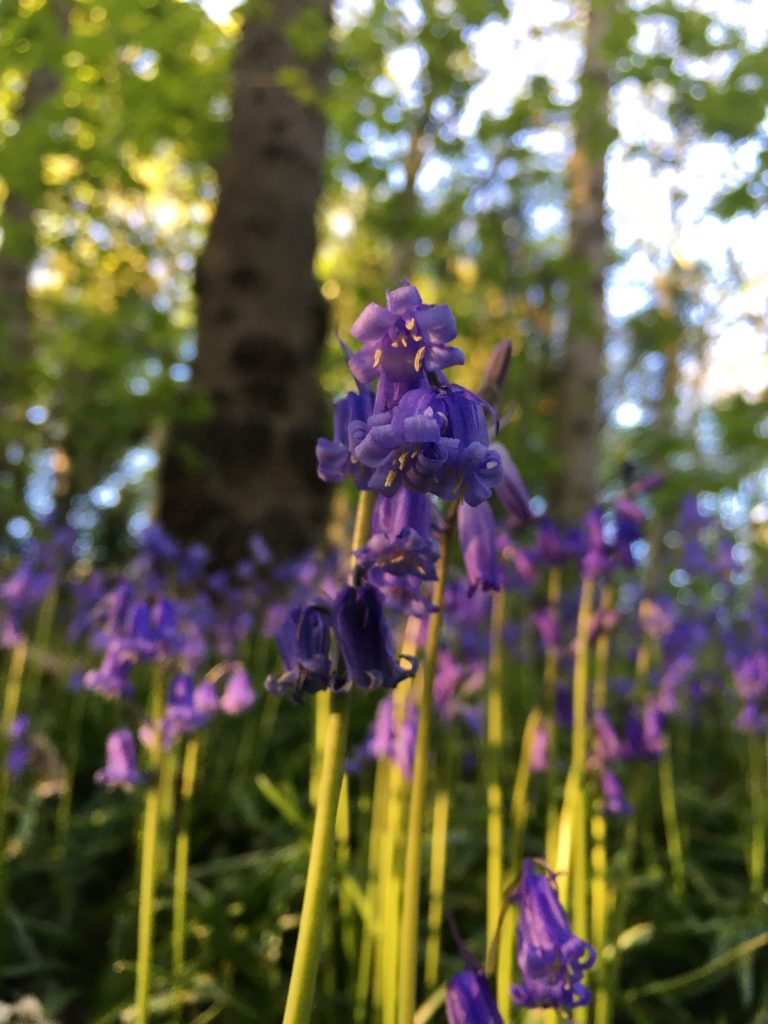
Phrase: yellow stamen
[391,476]
[410,324]
[419,358]
[377,358]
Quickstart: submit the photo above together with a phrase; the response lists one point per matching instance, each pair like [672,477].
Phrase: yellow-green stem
[672,833]
[758,799]
[365,959]
[181,864]
[11,700]
[436,887]
[494,739]
[349,944]
[409,933]
[301,988]
[148,859]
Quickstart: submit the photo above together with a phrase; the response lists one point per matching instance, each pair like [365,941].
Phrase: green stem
[365,959]
[11,700]
[409,933]
[309,942]
[494,739]
[759,814]
[301,989]
[572,837]
[441,808]
[669,815]
[43,631]
[148,860]
[181,866]
[349,943]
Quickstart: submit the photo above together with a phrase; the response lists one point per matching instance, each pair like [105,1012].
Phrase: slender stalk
[365,958]
[758,800]
[671,820]
[301,989]
[572,838]
[441,808]
[181,865]
[322,709]
[11,701]
[551,667]
[494,739]
[42,640]
[148,862]
[349,944]
[409,934]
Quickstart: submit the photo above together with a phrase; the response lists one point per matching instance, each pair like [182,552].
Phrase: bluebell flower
[19,751]
[613,793]
[552,960]
[112,678]
[304,642]
[434,441]
[401,541]
[477,538]
[205,699]
[389,739]
[121,767]
[511,490]
[238,695]
[403,340]
[335,461]
[469,999]
[365,640]
[181,714]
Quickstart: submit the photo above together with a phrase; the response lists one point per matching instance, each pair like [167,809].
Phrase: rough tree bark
[250,465]
[578,415]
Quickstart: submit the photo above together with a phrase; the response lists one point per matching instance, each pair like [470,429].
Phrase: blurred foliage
[441,166]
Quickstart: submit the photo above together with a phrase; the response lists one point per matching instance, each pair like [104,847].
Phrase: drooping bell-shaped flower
[477,537]
[403,340]
[304,642]
[401,541]
[552,960]
[511,490]
[613,793]
[112,678]
[121,766]
[434,441]
[365,640]
[238,695]
[335,461]
[469,999]
[181,715]
[205,699]
[19,751]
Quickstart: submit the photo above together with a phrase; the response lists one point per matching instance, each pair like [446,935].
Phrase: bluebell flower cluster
[469,999]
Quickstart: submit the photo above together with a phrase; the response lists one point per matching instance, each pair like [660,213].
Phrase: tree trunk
[250,465]
[578,422]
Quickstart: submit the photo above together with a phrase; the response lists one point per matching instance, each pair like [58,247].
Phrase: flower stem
[494,738]
[148,861]
[301,989]
[309,942]
[759,813]
[181,865]
[409,934]
[441,808]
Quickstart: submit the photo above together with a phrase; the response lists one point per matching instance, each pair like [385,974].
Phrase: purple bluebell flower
[112,678]
[614,800]
[434,441]
[390,739]
[401,541]
[750,676]
[365,640]
[19,750]
[238,695]
[403,340]
[453,686]
[181,715]
[596,560]
[538,758]
[547,627]
[335,461]
[469,999]
[205,699]
[121,767]
[552,960]
[644,733]
[511,490]
[304,642]
[477,538]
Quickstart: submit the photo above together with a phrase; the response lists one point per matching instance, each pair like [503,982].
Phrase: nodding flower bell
[469,1000]
[335,461]
[403,340]
[238,694]
[477,536]
[19,751]
[511,490]
[401,541]
[121,767]
[365,640]
[434,441]
[552,960]
[304,642]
